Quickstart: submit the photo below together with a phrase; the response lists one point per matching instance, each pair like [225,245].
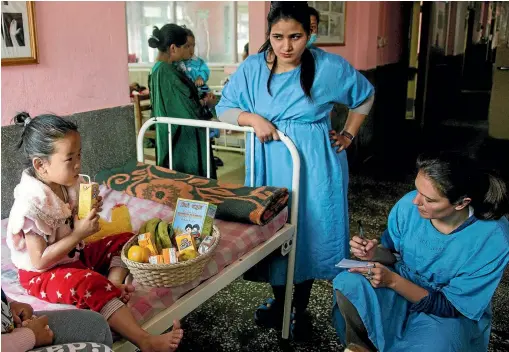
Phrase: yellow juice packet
[88,197]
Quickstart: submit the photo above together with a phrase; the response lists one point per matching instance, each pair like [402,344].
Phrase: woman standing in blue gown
[451,241]
[291,88]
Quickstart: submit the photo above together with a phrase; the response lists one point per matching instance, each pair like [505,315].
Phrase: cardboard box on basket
[186,246]
[147,240]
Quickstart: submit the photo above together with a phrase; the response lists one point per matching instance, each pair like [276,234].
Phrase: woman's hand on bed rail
[264,129]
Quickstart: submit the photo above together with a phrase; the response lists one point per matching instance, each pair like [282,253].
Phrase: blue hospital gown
[465,266]
[323,209]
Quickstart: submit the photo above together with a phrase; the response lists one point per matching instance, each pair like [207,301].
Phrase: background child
[198,72]
[46,237]
[195,68]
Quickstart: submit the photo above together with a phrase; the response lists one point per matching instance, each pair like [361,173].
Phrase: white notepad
[348,264]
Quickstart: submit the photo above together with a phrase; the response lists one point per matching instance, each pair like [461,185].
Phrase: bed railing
[287,248]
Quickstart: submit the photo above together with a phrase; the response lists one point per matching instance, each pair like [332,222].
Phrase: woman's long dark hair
[457,177]
[298,11]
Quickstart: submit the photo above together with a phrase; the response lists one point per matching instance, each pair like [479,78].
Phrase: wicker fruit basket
[168,275]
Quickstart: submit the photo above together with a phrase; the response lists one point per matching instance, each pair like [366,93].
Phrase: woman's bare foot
[168,342]
[127,291]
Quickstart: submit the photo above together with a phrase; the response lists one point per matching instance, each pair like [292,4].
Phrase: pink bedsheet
[236,240]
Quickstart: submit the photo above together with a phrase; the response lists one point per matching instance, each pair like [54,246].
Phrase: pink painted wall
[360,35]
[365,20]
[258,11]
[82,61]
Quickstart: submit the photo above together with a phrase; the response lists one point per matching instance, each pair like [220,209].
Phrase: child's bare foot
[127,291]
[168,342]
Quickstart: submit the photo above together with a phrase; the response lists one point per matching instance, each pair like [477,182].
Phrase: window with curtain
[221,28]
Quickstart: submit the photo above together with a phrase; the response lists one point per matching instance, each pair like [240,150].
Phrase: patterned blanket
[235,202]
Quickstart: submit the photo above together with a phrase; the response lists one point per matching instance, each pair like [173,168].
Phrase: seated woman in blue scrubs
[441,259]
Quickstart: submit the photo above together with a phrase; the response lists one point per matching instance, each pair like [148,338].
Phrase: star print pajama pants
[82,283]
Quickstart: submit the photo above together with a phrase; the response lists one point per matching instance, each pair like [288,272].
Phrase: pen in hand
[361,230]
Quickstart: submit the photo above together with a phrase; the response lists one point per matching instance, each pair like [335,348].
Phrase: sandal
[267,316]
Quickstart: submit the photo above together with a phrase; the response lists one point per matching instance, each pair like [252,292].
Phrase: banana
[158,243]
[143,228]
[152,225]
[187,255]
[162,234]
[171,233]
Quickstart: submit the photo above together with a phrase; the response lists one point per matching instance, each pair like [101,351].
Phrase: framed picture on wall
[19,39]
[331,30]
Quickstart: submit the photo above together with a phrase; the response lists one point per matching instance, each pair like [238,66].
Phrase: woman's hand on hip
[363,249]
[339,141]
[264,129]
[378,276]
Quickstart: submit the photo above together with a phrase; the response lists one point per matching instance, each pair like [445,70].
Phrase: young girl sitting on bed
[46,237]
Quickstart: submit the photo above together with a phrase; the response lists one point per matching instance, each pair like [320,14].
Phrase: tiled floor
[233,170]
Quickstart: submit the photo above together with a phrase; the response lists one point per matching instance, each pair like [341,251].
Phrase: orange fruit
[138,254]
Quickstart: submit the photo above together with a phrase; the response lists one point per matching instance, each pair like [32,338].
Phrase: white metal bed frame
[285,238]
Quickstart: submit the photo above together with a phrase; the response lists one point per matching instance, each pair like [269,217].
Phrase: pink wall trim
[82,65]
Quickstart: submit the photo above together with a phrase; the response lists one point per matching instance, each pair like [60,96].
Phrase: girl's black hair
[168,35]
[188,226]
[298,11]
[197,227]
[458,176]
[40,134]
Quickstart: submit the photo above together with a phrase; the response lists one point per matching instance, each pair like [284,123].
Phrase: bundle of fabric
[254,205]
